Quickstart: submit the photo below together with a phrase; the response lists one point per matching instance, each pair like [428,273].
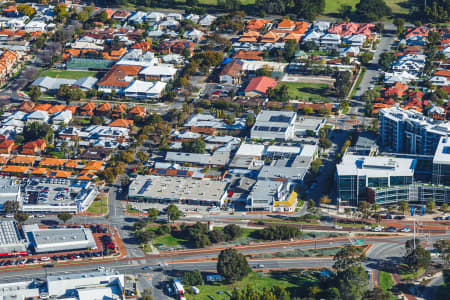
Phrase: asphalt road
[385,45]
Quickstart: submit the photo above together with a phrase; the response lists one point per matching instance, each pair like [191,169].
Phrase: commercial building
[60,239]
[93,286]
[357,173]
[12,241]
[274,125]
[267,195]
[416,193]
[441,162]
[19,290]
[409,131]
[9,191]
[167,189]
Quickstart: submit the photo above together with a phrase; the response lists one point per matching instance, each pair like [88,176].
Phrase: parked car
[45,258]
[406,229]
[337,227]
[391,229]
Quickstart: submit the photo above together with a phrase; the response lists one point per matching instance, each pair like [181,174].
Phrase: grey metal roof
[197,158]
[50,83]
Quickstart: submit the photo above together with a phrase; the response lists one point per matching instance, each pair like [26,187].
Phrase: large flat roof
[61,239]
[375,166]
[176,188]
[442,154]
[10,237]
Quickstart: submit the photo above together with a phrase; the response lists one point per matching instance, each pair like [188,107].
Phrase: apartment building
[441,163]
[409,131]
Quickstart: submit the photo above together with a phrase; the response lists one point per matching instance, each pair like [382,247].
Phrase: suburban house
[145,90]
[137,111]
[330,41]
[37,116]
[258,86]
[231,73]
[7,61]
[6,146]
[118,78]
[270,37]
[162,72]
[62,117]
[34,147]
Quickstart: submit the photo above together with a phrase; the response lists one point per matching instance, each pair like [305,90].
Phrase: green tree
[11,206]
[145,236]
[347,257]
[233,231]
[352,282]
[25,10]
[192,278]
[366,57]
[233,266]
[21,217]
[315,166]
[64,216]
[142,156]
[308,9]
[35,130]
[373,10]
[444,207]
[364,208]
[377,294]
[289,49]
[431,205]
[307,110]
[385,61]
[418,258]
[61,12]
[403,206]
[194,146]
[152,214]
[400,24]
[343,84]
[173,212]
[311,204]
[34,93]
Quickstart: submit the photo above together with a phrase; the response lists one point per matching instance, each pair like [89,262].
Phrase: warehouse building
[61,239]
[167,189]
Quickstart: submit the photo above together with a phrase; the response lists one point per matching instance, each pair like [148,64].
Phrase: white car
[406,229]
[101,268]
[377,229]
[337,227]
[45,258]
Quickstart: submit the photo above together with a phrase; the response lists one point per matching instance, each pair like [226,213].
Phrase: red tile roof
[261,84]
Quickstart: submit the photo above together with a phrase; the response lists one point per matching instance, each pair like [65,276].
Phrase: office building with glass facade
[416,193]
[355,174]
[441,162]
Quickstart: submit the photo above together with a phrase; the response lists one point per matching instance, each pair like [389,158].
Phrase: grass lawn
[386,281]
[99,206]
[258,282]
[168,240]
[332,6]
[308,91]
[67,74]
[411,275]
[132,210]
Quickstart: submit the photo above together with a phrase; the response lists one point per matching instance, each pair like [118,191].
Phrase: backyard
[308,91]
